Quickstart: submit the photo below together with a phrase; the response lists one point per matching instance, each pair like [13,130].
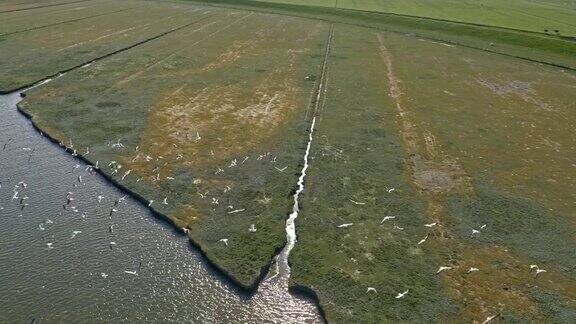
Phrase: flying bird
[345,225]
[424,239]
[402,294]
[224,240]
[371,289]
[472,269]
[357,203]
[387,218]
[442,268]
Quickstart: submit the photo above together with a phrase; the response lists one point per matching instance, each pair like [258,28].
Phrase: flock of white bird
[156,165]
[474,232]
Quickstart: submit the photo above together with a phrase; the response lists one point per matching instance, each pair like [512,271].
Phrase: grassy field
[219,107]
[429,151]
[535,16]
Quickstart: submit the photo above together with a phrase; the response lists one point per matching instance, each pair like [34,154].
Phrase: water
[83,279]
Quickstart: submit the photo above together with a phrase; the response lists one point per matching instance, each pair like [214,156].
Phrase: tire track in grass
[45,6]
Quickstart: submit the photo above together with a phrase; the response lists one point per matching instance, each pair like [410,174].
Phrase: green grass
[526,15]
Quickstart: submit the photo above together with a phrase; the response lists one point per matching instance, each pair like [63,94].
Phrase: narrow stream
[76,264]
[281,269]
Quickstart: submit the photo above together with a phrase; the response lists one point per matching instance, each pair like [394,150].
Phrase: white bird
[431,224]
[118,144]
[424,239]
[281,170]
[224,240]
[252,228]
[475,231]
[49,245]
[48,221]
[472,269]
[233,163]
[185,230]
[74,233]
[150,203]
[371,289]
[126,174]
[197,137]
[357,203]
[165,201]
[15,195]
[104,275]
[387,218]
[442,268]
[398,227]
[390,190]
[402,294]
[219,171]
[490,318]
[482,227]
[134,273]
[100,199]
[539,271]
[245,158]
[345,225]
[41,227]
[235,211]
